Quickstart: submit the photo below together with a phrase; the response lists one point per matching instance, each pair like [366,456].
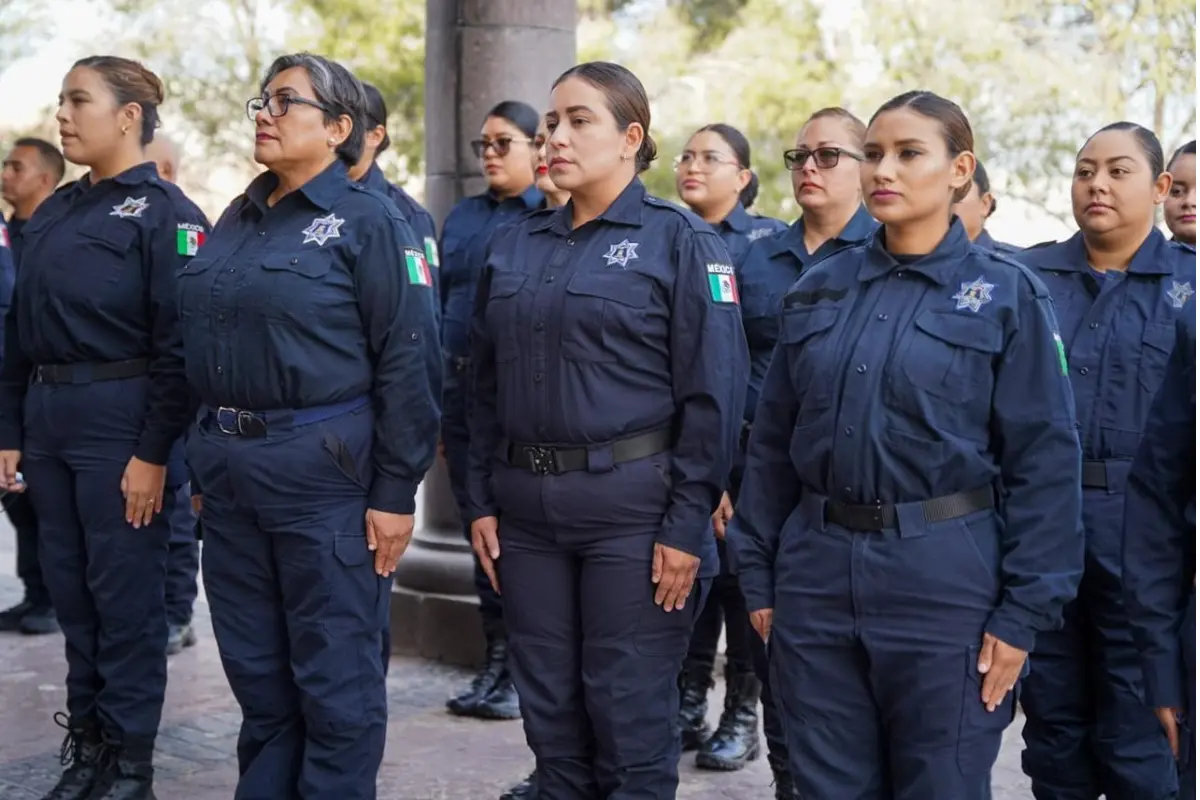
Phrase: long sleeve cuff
[1163,674]
[1009,628]
[758,587]
[154,449]
[690,536]
[393,495]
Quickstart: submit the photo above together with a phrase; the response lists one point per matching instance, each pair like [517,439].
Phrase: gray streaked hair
[337,89]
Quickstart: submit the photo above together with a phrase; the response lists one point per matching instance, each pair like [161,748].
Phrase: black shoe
[130,773]
[525,790]
[735,743]
[785,787]
[501,702]
[10,618]
[39,621]
[83,754]
[179,637]
[494,667]
[695,679]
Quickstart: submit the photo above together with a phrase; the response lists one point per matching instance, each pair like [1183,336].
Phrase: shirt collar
[374,179]
[1151,258]
[134,176]
[531,198]
[738,219]
[625,210]
[858,229]
[938,266]
[322,190]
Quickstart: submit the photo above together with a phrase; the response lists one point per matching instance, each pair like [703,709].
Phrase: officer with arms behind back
[310,333]
[92,403]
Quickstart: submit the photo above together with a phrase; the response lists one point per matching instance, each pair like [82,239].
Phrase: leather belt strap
[90,372]
[880,517]
[554,459]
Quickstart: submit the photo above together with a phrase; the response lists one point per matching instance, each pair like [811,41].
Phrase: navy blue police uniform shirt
[8,274]
[16,228]
[465,236]
[740,229]
[320,299]
[771,266]
[627,324]
[902,382]
[1159,545]
[97,284]
[986,241]
[1118,330]
[414,214]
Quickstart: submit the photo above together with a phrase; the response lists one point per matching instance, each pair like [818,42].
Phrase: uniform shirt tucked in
[322,298]
[97,284]
[465,236]
[769,269]
[1159,552]
[740,229]
[414,214]
[903,381]
[986,241]
[624,325]
[1118,329]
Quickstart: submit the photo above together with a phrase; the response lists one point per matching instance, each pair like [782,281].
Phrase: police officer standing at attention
[609,368]
[1180,208]
[310,333]
[1118,286]
[92,402]
[977,208]
[183,555]
[31,171]
[913,375]
[1159,554]
[507,153]
[714,178]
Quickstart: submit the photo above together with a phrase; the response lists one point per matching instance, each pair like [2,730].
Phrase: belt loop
[910,520]
[814,509]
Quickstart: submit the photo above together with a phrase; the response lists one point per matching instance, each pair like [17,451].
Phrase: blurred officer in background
[183,556]
[32,169]
[1118,286]
[310,334]
[507,154]
[92,403]
[976,208]
[1180,208]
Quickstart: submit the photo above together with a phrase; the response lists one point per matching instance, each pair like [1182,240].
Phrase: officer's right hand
[674,572]
[485,541]
[1169,719]
[761,620]
[9,461]
[722,515]
[388,535]
[197,503]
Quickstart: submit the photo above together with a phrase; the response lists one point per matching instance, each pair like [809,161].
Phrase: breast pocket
[293,285]
[1158,340]
[503,312]
[103,253]
[194,282]
[603,311]
[802,333]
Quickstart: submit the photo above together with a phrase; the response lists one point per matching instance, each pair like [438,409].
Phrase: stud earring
[332,143]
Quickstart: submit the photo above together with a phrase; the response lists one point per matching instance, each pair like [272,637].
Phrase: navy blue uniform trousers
[105,577]
[1089,732]
[594,660]
[297,607]
[183,560]
[1187,744]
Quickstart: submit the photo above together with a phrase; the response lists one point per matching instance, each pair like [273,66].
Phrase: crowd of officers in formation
[919,475]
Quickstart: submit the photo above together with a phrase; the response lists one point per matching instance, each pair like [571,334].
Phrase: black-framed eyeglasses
[826,157]
[277,105]
[501,144]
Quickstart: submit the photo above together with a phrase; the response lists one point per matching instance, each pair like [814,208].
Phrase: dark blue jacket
[414,214]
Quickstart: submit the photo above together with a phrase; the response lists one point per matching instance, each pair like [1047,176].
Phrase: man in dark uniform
[31,171]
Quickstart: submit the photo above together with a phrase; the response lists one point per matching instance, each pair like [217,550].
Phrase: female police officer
[507,154]
[609,367]
[1180,206]
[92,401]
[1117,285]
[309,330]
[713,176]
[913,375]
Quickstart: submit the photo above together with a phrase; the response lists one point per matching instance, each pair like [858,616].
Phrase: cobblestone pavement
[430,755]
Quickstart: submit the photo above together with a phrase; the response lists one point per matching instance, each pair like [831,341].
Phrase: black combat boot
[785,787]
[525,790]
[695,679]
[501,702]
[83,754]
[494,668]
[736,741]
[130,773]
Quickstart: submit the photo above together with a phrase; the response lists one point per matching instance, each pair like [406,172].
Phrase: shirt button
[846,490]
[860,369]
[900,274]
[1094,325]
[220,370]
[549,279]
[539,326]
[1083,370]
[231,269]
[295,261]
[262,233]
[570,242]
[849,430]
[883,317]
[220,317]
[537,377]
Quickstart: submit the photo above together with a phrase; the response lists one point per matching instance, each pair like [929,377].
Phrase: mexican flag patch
[418,268]
[431,252]
[188,239]
[722,284]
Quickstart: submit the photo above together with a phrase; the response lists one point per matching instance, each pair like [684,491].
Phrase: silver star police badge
[758,233]
[1180,293]
[975,294]
[130,208]
[323,229]
[621,253]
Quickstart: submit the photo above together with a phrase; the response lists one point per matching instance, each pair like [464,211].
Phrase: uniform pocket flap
[114,234]
[310,265]
[506,283]
[626,288]
[1159,336]
[976,333]
[802,324]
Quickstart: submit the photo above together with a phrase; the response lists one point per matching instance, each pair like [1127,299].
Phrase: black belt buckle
[875,515]
[542,460]
[235,422]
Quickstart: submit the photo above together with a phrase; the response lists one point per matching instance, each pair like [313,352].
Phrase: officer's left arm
[1156,568]
[709,371]
[1035,443]
[168,402]
[400,323]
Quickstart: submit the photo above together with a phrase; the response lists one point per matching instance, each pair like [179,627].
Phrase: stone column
[477,53]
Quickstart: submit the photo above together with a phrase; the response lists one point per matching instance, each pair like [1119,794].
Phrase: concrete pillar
[477,53]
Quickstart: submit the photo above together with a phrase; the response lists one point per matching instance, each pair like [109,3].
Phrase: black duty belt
[882,516]
[90,372]
[555,459]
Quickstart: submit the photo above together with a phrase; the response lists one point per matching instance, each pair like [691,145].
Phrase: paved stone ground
[430,756]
